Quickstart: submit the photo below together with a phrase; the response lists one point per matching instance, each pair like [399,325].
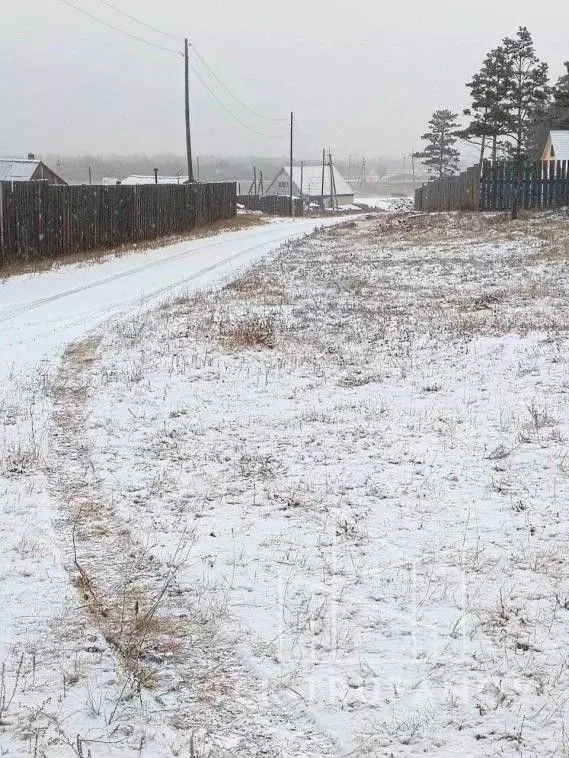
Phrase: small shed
[557,146]
[307,181]
[27,170]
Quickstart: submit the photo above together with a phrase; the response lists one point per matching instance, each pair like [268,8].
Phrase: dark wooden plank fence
[273,205]
[540,186]
[451,193]
[39,221]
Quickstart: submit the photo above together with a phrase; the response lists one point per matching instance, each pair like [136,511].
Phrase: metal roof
[14,170]
[136,179]
[560,142]
[312,180]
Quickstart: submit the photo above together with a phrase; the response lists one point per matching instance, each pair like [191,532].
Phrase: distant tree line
[513,108]
[76,168]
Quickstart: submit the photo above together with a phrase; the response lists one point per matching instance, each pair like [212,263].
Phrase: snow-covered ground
[317,512]
[41,313]
[385,203]
[47,642]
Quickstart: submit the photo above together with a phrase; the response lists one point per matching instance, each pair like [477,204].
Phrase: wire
[121,31]
[228,110]
[218,80]
[138,21]
[176,52]
[197,54]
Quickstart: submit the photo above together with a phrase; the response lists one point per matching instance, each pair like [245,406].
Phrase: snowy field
[47,642]
[319,511]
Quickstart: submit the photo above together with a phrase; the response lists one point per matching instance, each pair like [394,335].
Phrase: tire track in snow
[139,300]
[15,310]
[204,688]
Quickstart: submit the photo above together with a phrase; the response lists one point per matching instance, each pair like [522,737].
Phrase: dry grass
[126,602]
[351,315]
[251,332]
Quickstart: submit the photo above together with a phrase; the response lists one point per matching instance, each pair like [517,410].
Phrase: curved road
[41,313]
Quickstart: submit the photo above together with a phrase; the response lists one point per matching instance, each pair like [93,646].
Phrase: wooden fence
[38,220]
[451,193]
[273,205]
[539,186]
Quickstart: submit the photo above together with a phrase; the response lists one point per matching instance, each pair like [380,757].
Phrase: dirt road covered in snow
[319,511]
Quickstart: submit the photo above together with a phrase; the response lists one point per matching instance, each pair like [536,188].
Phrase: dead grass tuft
[251,332]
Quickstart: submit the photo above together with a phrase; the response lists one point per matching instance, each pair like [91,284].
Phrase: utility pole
[413,169]
[188,130]
[155,175]
[253,187]
[323,173]
[90,176]
[291,200]
[331,179]
[302,185]
[198,166]
[363,177]
[333,192]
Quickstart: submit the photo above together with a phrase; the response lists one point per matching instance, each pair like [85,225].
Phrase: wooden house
[307,182]
[557,146]
[27,170]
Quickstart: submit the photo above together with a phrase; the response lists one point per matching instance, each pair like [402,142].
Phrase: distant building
[27,170]
[557,146]
[311,180]
[136,179]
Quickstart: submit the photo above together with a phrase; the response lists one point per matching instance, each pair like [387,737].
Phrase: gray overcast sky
[362,76]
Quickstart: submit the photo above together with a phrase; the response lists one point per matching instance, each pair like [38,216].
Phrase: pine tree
[440,155]
[526,99]
[488,91]
[527,89]
[556,116]
[559,111]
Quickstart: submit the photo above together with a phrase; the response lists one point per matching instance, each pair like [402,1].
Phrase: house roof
[14,170]
[560,142]
[312,180]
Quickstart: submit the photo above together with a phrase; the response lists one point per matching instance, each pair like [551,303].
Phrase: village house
[27,170]
[307,182]
[557,146]
[136,179]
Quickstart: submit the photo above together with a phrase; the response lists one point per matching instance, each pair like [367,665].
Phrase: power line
[121,31]
[197,54]
[175,52]
[229,111]
[238,100]
[138,21]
